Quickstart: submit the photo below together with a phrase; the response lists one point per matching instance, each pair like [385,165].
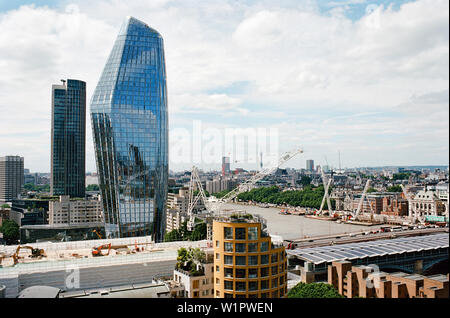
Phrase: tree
[93,187]
[5,206]
[305,181]
[370,190]
[395,188]
[313,290]
[10,230]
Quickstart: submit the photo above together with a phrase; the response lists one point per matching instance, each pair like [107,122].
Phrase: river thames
[294,226]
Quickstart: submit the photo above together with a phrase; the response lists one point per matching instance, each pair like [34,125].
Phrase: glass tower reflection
[68,138]
[129,122]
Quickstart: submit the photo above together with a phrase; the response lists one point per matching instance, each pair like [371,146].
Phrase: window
[264,295]
[240,233]
[195,284]
[240,273]
[274,257]
[252,233]
[252,286]
[228,247]
[228,260]
[253,296]
[228,233]
[229,272]
[274,270]
[217,269]
[228,285]
[253,273]
[264,259]
[240,247]
[264,284]
[264,246]
[241,260]
[275,283]
[217,256]
[240,286]
[217,281]
[264,271]
[252,247]
[241,296]
[252,260]
[217,243]
[228,295]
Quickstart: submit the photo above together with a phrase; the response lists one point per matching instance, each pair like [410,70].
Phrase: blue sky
[366,78]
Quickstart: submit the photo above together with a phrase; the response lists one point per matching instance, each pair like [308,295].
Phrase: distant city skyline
[353,76]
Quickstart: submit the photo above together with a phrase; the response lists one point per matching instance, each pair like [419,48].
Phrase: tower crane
[326,185]
[361,201]
[214,208]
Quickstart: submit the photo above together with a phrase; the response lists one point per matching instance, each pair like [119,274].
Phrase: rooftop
[325,254]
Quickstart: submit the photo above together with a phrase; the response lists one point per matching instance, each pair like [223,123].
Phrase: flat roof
[326,254]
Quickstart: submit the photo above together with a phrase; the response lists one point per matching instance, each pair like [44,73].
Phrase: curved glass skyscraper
[129,122]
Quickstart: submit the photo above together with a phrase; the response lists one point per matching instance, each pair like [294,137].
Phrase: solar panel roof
[323,254]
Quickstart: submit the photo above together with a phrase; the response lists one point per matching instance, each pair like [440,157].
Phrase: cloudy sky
[367,78]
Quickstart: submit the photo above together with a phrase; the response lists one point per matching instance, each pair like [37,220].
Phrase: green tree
[5,206]
[93,187]
[395,188]
[305,181]
[370,190]
[10,230]
[313,290]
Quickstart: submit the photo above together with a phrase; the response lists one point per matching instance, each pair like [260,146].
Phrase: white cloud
[305,69]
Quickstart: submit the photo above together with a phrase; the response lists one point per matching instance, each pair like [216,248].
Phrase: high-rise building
[68,140]
[11,177]
[247,264]
[225,166]
[129,121]
[310,165]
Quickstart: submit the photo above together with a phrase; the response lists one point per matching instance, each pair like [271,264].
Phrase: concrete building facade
[66,211]
[11,177]
[362,281]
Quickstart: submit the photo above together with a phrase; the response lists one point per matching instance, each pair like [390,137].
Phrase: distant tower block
[225,166]
[261,161]
[310,165]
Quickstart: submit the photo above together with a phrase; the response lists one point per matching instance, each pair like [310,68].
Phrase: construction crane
[361,201]
[98,234]
[326,185]
[214,208]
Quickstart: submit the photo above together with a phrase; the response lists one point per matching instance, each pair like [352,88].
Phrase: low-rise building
[75,211]
[362,281]
[200,283]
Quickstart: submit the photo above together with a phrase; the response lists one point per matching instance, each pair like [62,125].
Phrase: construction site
[88,264]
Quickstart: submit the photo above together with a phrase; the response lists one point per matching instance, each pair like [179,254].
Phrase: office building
[129,121]
[310,165]
[68,138]
[225,166]
[247,264]
[66,211]
[11,177]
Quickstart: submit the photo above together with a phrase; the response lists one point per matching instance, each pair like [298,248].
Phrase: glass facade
[129,122]
[68,139]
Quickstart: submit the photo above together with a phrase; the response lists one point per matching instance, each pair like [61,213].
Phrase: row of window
[275,294]
[251,260]
[254,285]
[240,233]
[244,247]
[253,272]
